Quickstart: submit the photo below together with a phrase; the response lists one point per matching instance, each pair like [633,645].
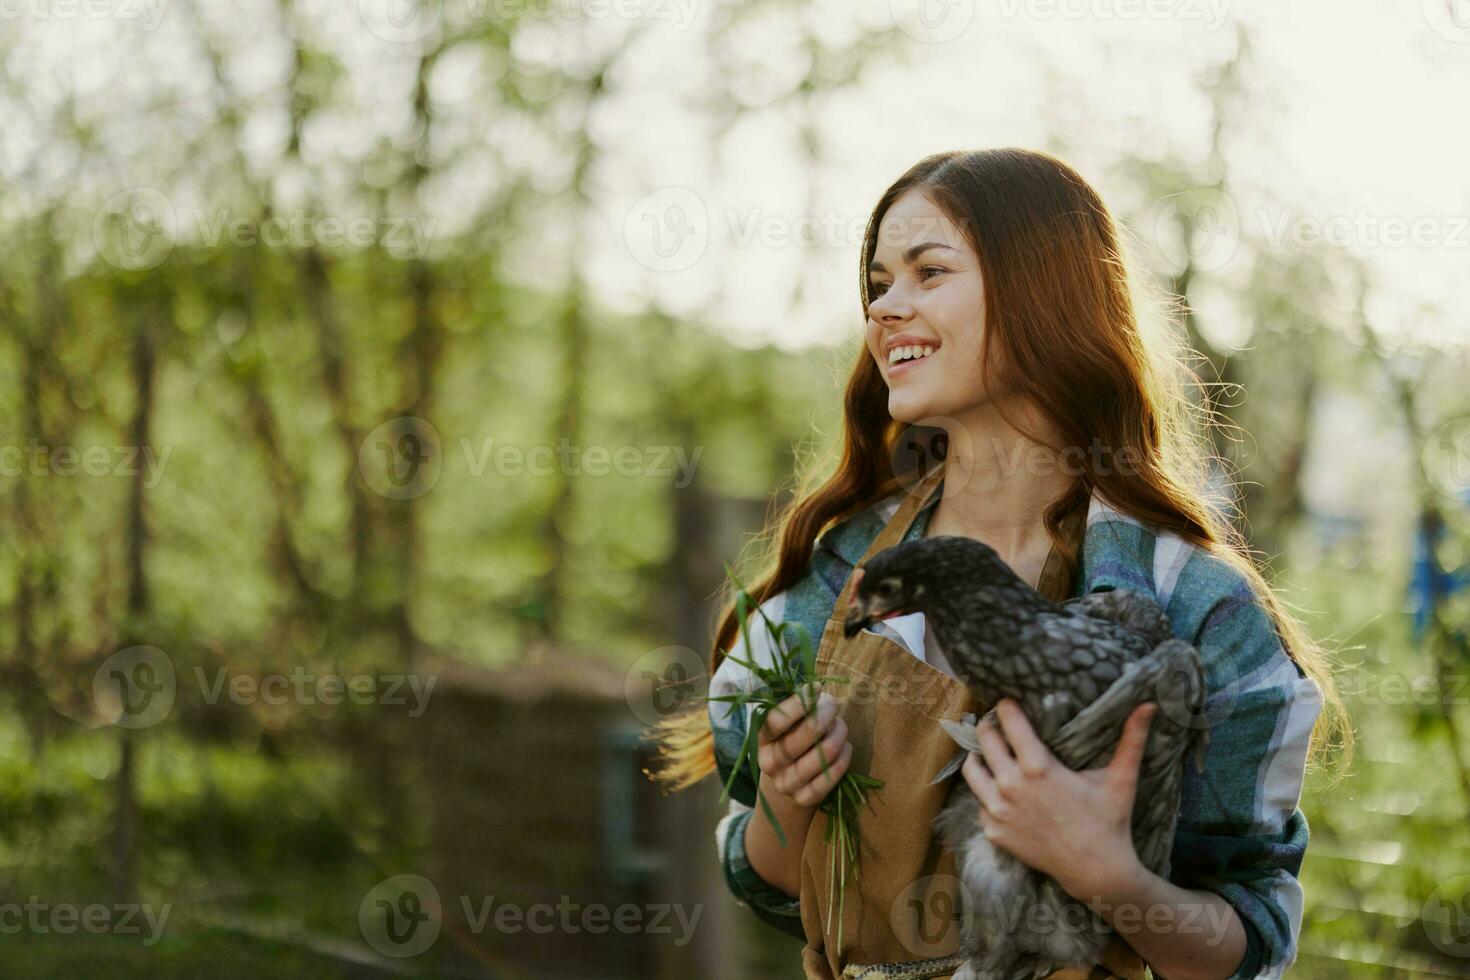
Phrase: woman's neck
[1023,548]
[997,488]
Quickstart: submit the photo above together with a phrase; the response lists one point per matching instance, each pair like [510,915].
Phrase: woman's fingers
[982,783]
[1032,755]
[816,791]
[811,729]
[809,767]
[788,717]
[993,747]
[785,741]
[783,717]
[1129,754]
[809,763]
[804,755]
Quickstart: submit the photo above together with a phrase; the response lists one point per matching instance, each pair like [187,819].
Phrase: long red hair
[1062,330]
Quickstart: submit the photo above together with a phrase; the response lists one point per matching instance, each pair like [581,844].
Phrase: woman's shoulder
[812,597]
[834,554]
[848,539]
[1209,599]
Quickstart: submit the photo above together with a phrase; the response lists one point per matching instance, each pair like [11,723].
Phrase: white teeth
[911,350]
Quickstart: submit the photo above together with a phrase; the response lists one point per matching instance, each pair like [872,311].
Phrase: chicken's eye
[887,587]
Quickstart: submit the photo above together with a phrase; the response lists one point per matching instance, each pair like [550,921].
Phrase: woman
[1006,392]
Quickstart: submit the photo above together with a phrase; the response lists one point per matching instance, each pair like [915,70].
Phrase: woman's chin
[910,410]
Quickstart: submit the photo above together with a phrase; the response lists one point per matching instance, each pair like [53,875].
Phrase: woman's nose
[891,306]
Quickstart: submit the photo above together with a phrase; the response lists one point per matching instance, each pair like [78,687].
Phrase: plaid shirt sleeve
[730,726]
[1241,833]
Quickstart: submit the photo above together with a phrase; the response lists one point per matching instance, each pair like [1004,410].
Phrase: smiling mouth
[910,353]
[902,369]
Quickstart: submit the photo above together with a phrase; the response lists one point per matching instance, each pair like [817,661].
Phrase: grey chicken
[1078,669]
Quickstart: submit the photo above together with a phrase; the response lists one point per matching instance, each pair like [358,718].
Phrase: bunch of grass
[793,671]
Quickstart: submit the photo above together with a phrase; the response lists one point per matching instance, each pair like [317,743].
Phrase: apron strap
[893,532]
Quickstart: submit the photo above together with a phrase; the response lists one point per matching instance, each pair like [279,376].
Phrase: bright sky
[1350,126]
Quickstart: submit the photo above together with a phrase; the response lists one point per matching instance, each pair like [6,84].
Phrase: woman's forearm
[781,866]
[1181,934]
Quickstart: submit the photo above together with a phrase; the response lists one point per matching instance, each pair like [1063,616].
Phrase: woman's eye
[879,288]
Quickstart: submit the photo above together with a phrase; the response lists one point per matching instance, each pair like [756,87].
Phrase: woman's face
[927,293]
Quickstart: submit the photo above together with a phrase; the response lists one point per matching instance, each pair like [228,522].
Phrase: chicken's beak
[863,612]
[857,619]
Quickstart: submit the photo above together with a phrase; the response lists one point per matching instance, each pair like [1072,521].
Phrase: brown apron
[903,905]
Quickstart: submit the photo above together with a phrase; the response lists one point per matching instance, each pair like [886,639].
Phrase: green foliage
[794,672]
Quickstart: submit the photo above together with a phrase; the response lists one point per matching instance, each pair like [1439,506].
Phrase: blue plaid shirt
[1241,833]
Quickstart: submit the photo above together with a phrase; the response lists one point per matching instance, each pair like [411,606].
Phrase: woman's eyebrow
[913,252]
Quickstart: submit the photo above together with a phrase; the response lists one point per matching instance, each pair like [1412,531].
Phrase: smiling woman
[926,303]
[1001,325]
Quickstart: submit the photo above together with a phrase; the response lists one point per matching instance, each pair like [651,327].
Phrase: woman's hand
[1074,826]
[793,747]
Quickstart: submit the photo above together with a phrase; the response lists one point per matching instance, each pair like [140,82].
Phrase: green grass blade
[771,816]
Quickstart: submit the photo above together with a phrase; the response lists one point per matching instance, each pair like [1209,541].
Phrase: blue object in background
[1429,584]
